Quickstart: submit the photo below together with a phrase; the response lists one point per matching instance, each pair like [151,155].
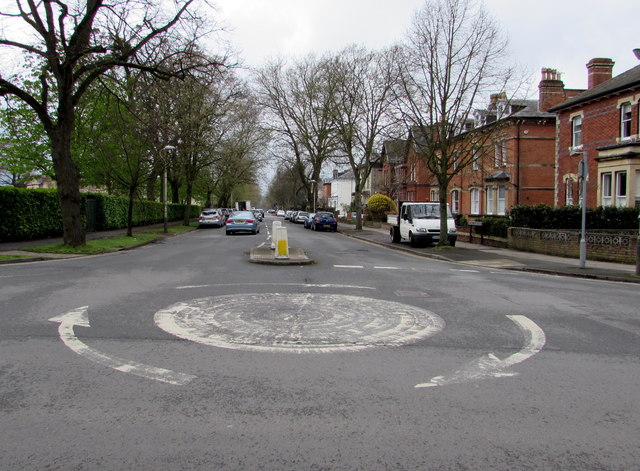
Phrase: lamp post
[165,215]
[583,172]
[315,192]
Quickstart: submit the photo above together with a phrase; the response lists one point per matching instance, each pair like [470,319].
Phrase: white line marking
[67,335]
[305,285]
[348,266]
[490,365]
[387,268]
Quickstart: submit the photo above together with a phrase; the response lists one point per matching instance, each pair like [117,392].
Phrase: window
[475,165]
[625,121]
[621,189]
[504,153]
[576,131]
[434,195]
[502,200]
[490,200]
[455,201]
[413,172]
[568,192]
[475,201]
[605,190]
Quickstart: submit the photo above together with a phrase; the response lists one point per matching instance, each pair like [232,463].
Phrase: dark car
[324,221]
[309,220]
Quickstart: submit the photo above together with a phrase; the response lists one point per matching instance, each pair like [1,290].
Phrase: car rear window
[324,215]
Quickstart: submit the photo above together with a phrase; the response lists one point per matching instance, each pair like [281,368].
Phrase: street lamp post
[165,212]
[583,172]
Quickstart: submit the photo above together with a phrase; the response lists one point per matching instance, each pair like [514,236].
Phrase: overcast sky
[560,34]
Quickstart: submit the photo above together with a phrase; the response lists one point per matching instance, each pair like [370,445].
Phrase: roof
[628,79]
[395,150]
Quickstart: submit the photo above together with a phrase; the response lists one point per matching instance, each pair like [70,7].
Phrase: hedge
[28,214]
[570,217]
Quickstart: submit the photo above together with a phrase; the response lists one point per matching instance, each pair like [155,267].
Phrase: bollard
[282,246]
[274,233]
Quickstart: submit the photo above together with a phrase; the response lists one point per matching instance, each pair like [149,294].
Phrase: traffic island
[266,256]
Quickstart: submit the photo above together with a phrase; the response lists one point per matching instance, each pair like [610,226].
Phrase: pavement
[472,255]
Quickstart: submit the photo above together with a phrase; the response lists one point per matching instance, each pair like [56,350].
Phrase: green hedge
[35,214]
[570,217]
[29,214]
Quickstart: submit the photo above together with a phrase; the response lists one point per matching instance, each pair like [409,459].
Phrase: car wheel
[228,232]
[412,241]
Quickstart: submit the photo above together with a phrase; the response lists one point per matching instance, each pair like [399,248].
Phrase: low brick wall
[471,234]
[605,246]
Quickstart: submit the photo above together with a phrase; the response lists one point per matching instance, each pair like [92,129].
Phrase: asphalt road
[184,355]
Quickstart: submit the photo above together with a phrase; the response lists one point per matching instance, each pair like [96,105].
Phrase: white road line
[348,266]
[304,285]
[490,366]
[387,268]
[67,335]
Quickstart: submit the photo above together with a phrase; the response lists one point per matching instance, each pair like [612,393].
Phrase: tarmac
[469,254]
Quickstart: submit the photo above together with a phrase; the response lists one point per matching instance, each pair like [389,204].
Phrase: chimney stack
[600,70]
[551,90]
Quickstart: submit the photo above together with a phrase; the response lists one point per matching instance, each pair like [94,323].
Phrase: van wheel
[394,233]
[412,241]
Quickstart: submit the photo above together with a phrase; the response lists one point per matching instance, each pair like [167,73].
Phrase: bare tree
[300,99]
[75,43]
[454,55]
[362,110]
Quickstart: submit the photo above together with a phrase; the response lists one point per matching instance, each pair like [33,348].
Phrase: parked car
[324,221]
[211,217]
[242,221]
[287,215]
[301,217]
[309,220]
[280,213]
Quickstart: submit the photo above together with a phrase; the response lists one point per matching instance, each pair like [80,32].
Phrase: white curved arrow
[67,335]
[490,366]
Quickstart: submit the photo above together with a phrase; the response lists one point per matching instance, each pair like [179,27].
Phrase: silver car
[211,217]
[242,221]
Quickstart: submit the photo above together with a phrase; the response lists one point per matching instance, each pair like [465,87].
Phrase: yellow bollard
[282,247]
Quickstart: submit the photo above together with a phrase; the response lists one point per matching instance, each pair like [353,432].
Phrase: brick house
[516,163]
[404,175]
[603,122]
[514,166]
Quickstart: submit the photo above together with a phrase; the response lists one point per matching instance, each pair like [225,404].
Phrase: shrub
[570,217]
[35,213]
[379,205]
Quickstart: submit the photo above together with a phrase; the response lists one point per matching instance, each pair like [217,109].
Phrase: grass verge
[98,245]
[12,257]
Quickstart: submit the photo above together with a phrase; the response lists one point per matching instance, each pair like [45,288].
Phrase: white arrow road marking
[490,365]
[67,335]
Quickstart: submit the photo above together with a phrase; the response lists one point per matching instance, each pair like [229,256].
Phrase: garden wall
[610,246]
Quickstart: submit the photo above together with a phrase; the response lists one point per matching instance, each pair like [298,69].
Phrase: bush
[379,205]
[29,214]
[570,217]
[495,226]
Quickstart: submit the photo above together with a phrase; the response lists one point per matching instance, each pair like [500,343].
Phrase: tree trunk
[187,207]
[68,183]
[358,203]
[132,192]
[444,229]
